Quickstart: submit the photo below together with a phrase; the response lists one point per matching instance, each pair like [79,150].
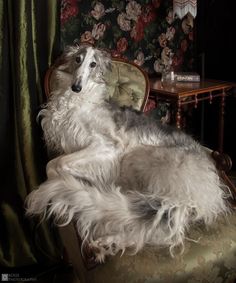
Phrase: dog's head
[86,64]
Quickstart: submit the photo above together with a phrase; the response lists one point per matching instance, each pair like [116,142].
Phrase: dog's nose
[76,87]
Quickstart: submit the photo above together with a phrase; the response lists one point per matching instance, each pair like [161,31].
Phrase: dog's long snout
[76,87]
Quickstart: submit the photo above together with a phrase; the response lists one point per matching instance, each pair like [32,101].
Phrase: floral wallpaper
[144,31]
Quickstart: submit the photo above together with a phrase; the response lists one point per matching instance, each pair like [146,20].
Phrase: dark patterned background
[143,31]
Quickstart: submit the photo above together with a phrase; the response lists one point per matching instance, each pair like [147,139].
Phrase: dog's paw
[102,248]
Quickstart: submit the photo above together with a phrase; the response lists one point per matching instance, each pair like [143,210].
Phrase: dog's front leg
[92,164]
[51,168]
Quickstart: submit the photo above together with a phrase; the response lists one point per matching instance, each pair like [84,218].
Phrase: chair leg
[224,164]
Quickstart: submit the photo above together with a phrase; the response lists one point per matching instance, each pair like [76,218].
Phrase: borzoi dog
[123,178]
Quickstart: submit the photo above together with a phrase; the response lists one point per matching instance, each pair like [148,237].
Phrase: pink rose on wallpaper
[87,37]
[187,24]
[170,17]
[98,30]
[170,33]
[98,11]
[166,56]
[133,10]
[137,33]
[123,22]
[139,59]
[148,14]
[69,8]
[162,40]
[158,66]
[122,45]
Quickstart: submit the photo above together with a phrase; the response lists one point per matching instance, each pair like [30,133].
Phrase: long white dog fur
[123,178]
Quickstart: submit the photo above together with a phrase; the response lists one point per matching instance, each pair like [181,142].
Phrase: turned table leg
[221,122]
[178,115]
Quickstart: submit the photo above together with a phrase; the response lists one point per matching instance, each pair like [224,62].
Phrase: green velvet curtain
[29,42]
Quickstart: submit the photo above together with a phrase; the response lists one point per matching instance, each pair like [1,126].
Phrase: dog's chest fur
[71,123]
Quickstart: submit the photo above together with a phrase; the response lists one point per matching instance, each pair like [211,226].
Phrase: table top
[185,89]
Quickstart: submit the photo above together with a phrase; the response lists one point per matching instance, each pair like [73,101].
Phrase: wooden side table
[181,93]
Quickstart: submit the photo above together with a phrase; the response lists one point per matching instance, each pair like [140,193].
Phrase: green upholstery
[127,85]
[212,259]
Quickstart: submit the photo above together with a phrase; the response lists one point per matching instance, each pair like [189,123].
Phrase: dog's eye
[93,64]
[78,60]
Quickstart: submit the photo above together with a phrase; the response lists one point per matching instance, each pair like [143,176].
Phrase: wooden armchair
[209,256]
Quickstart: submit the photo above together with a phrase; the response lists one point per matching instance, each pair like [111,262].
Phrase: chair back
[127,84]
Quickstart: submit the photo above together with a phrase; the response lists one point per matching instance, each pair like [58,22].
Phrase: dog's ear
[106,59]
[62,62]
[109,66]
[78,43]
[70,50]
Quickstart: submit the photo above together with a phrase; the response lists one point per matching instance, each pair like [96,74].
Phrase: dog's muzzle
[76,87]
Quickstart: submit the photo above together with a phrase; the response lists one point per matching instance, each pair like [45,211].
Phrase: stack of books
[187,77]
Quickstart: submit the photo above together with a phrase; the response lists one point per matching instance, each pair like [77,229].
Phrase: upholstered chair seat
[209,256]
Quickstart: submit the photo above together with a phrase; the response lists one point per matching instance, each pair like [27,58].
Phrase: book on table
[187,77]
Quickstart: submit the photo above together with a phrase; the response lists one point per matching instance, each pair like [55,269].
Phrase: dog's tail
[101,212]
[133,218]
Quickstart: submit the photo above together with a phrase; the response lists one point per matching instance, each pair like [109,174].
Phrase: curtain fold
[29,42]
